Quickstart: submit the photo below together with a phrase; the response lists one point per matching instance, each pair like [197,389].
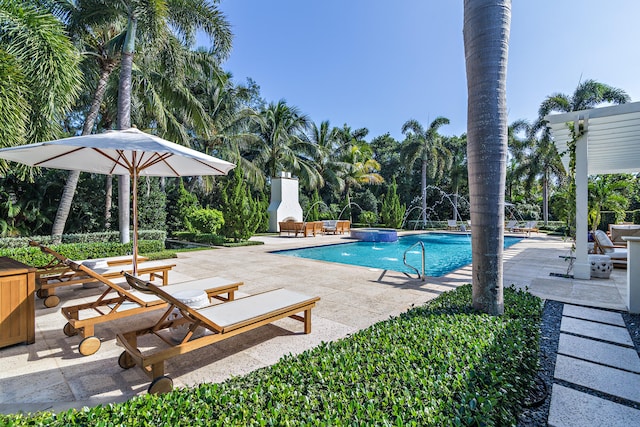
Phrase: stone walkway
[597,373]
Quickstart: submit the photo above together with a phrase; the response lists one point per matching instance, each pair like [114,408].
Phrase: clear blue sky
[377,63]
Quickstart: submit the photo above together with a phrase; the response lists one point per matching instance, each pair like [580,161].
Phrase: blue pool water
[444,253]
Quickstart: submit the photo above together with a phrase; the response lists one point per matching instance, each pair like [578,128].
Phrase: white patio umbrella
[125,152]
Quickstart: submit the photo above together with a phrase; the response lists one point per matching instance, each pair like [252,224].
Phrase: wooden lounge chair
[604,245]
[58,273]
[528,228]
[511,225]
[220,322]
[116,303]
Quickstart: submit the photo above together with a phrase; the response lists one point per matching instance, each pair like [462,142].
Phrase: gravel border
[549,337]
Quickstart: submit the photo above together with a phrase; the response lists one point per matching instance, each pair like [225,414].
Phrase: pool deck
[51,375]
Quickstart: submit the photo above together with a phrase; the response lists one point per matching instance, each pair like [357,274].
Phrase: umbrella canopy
[124,152]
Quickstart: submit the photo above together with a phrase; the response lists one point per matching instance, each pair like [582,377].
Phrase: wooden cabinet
[17,309]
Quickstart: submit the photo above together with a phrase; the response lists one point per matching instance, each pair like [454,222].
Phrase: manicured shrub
[367,217]
[35,257]
[206,221]
[101,237]
[242,213]
[392,211]
[440,364]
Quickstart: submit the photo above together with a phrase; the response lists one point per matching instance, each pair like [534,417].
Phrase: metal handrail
[404,259]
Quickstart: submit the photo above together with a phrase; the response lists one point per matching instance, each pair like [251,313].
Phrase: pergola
[608,141]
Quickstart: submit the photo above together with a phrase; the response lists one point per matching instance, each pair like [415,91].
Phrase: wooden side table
[17,307]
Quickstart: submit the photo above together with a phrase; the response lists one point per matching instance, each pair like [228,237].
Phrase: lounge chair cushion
[236,313]
[604,241]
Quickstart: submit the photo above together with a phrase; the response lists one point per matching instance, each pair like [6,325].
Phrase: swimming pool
[444,253]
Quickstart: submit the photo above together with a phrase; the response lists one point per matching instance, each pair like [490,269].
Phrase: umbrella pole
[134,186]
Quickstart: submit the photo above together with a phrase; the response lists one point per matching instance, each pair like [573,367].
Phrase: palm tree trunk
[107,201]
[486,43]
[423,190]
[70,186]
[545,198]
[124,122]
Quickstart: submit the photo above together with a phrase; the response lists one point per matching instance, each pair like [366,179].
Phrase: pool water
[443,253]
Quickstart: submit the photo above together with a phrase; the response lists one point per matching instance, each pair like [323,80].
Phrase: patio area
[51,375]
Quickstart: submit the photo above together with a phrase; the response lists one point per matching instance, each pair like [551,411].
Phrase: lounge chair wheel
[160,385]
[40,293]
[89,345]
[125,361]
[51,301]
[69,330]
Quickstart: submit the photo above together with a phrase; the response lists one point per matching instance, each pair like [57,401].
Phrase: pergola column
[582,267]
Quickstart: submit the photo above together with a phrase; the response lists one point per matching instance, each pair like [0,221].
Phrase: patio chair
[343,226]
[116,303]
[604,245]
[329,226]
[452,224]
[511,225]
[618,231]
[528,228]
[294,227]
[58,273]
[219,321]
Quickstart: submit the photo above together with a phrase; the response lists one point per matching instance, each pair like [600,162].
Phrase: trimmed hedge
[440,364]
[108,236]
[36,258]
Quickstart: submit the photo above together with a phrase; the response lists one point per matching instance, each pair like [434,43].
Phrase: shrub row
[35,257]
[108,236]
[440,364]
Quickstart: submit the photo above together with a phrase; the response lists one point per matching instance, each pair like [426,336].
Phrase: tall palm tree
[486,44]
[587,95]
[538,160]
[457,172]
[361,168]
[154,21]
[426,145]
[327,163]
[283,143]
[39,76]
[100,47]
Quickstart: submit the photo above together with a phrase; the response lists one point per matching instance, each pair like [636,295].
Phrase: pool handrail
[404,259]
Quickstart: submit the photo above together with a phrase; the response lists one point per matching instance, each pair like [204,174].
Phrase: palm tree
[327,163]
[101,46]
[486,40]
[283,143]
[587,95]
[608,192]
[535,159]
[427,146]
[33,44]
[157,19]
[361,169]
[457,172]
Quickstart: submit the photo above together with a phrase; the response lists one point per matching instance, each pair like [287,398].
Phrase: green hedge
[108,236]
[35,257]
[440,364]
